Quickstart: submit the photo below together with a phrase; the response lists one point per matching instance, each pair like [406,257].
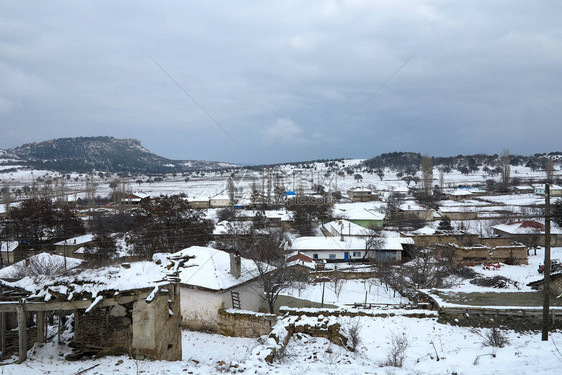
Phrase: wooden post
[40,316]
[3,317]
[60,323]
[546,286]
[22,334]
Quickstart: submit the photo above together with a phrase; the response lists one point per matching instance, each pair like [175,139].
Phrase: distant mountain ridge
[84,154]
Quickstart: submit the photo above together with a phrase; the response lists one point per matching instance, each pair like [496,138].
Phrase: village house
[365,217]
[351,249]
[515,253]
[412,209]
[220,201]
[198,202]
[216,280]
[529,232]
[272,218]
[359,194]
[555,190]
[74,247]
[133,308]
[135,199]
[459,212]
[12,252]
[427,236]
[458,194]
[342,227]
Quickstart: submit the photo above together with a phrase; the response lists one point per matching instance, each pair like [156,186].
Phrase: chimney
[27,262]
[235,264]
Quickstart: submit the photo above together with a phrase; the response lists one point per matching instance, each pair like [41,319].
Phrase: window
[357,254]
[332,256]
[314,256]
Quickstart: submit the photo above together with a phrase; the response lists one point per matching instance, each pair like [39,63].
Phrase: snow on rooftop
[349,243]
[90,283]
[525,227]
[345,227]
[210,269]
[360,213]
[8,246]
[80,240]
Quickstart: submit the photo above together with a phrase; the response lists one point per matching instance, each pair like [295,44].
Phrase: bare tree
[427,175]
[270,267]
[441,179]
[37,266]
[396,353]
[505,169]
[231,189]
[6,197]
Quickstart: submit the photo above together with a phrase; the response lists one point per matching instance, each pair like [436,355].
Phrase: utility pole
[546,286]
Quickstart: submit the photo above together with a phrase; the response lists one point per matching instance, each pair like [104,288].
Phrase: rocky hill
[84,154]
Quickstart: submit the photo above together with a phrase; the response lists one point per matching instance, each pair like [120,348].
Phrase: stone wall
[245,323]
[518,319]
[478,254]
[137,328]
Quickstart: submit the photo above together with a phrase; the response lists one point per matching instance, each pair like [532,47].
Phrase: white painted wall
[199,308]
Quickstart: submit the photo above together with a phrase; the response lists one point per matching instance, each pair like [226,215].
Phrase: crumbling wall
[245,323]
[156,327]
[516,319]
[108,329]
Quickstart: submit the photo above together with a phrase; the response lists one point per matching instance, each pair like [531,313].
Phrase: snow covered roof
[336,227]
[239,227]
[210,269]
[80,240]
[358,214]
[348,244]
[299,259]
[460,192]
[8,246]
[412,206]
[282,215]
[221,197]
[525,227]
[359,190]
[93,283]
[425,231]
[45,259]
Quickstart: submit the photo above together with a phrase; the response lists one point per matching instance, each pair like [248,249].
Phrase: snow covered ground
[433,348]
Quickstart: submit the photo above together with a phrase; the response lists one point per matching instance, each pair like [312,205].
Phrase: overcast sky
[282,77]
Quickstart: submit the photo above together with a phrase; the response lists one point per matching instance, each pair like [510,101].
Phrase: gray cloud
[485,76]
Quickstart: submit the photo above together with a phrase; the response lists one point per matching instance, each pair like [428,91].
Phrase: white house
[73,247]
[220,201]
[333,249]
[208,282]
[555,190]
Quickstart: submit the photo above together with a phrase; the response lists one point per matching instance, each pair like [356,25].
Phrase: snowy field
[432,348]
